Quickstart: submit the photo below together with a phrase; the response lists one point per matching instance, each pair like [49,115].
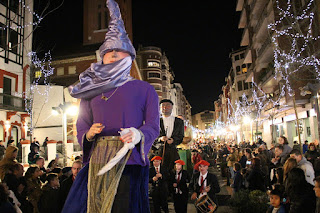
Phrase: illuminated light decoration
[37,19]
[44,66]
[286,63]
[299,32]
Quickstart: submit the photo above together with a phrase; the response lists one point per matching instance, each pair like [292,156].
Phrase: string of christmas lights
[44,71]
[36,18]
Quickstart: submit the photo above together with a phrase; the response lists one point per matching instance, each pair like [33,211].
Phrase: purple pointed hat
[116,36]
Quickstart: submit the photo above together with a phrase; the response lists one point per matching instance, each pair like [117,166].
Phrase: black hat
[166,100]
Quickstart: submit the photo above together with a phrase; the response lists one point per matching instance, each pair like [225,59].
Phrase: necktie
[201,187]
[157,170]
[178,179]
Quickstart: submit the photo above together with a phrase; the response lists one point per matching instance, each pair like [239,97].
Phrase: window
[238,70]
[3,36]
[163,67]
[246,85]
[60,71]
[240,99]
[157,87]
[154,75]
[236,58]
[4,2]
[153,64]
[239,85]
[164,89]
[14,5]
[72,70]
[241,55]
[13,41]
[38,74]
[99,21]
[244,68]
[164,78]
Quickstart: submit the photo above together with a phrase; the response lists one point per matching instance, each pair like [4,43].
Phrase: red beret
[202,162]
[156,158]
[180,162]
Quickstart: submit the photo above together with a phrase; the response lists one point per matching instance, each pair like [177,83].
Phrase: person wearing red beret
[178,186]
[204,183]
[158,177]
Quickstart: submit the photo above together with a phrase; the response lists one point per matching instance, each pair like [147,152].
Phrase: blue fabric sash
[99,78]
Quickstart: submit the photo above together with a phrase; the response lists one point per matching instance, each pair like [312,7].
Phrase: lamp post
[65,109]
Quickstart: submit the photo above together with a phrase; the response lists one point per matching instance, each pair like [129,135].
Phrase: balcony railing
[264,46]
[11,102]
[261,19]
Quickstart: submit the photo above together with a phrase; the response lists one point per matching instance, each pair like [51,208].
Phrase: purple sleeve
[151,127]
[84,122]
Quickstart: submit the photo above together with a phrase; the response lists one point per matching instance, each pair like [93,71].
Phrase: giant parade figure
[117,124]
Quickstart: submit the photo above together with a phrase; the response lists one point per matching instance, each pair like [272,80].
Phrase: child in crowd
[50,194]
[276,200]
[238,179]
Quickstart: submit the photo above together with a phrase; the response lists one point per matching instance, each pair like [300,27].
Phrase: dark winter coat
[256,180]
[64,190]
[48,202]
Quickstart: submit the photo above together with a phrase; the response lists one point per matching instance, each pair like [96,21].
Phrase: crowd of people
[288,175]
[38,189]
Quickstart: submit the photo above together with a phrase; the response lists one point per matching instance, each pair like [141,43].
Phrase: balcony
[243,19]
[245,38]
[261,28]
[239,6]
[264,46]
[256,8]
[10,102]
[247,56]
[267,79]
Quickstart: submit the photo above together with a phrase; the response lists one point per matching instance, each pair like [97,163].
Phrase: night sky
[197,37]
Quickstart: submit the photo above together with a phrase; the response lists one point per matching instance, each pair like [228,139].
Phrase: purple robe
[134,104]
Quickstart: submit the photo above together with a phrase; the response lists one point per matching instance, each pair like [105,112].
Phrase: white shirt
[157,168]
[168,124]
[204,183]
[178,176]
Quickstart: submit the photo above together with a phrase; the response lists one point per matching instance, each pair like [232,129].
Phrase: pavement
[223,196]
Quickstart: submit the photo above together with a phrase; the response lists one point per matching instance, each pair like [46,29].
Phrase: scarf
[99,78]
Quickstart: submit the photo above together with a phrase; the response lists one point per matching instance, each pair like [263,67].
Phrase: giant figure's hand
[130,136]
[96,128]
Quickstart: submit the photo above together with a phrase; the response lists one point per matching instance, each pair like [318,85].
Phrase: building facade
[276,119]
[15,44]
[203,120]
[155,69]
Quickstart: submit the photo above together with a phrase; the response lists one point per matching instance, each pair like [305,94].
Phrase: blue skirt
[139,200]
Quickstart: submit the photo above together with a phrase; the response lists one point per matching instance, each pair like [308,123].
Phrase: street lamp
[65,109]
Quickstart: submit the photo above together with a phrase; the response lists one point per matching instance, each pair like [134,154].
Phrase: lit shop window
[154,75]
[153,64]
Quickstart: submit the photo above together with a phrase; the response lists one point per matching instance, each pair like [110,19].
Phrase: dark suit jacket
[64,191]
[182,185]
[212,181]
[160,186]
[177,133]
